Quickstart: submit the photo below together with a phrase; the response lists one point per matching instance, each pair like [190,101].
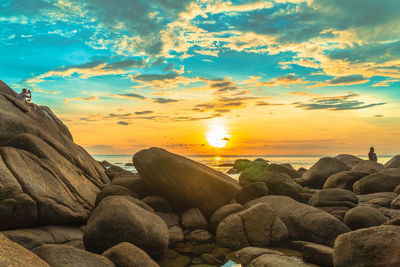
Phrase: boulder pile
[60,207]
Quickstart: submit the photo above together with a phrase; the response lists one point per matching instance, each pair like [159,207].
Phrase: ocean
[221,163]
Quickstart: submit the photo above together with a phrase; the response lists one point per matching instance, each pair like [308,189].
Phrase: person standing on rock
[26,97]
[372,155]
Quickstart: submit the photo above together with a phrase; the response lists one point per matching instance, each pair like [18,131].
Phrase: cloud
[144,112]
[162,100]
[284,80]
[344,80]
[336,103]
[378,116]
[130,95]
[119,116]
[89,99]
[123,123]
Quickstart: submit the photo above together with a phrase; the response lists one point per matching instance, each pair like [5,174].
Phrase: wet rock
[166,174]
[373,246]
[128,255]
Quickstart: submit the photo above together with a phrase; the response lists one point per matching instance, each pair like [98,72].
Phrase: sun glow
[217,136]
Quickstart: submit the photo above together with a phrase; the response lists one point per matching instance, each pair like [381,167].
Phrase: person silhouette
[26,97]
[372,155]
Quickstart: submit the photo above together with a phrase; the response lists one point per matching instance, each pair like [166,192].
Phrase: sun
[217,137]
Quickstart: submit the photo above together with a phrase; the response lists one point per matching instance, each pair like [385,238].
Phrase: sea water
[224,163]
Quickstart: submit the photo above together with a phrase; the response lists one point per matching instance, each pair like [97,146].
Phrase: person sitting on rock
[372,155]
[26,96]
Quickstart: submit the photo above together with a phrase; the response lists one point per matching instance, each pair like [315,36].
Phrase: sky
[211,77]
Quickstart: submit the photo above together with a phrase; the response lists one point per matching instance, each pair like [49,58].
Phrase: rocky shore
[60,207]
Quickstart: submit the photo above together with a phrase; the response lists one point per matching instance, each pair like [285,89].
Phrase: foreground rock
[304,222]
[335,201]
[118,219]
[317,175]
[383,181]
[14,255]
[344,180]
[363,217]
[127,255]
[31,238]
[45,178]
[222,213]
[255,226]
[67,256]
[318,254]
[374,246]
[185,183]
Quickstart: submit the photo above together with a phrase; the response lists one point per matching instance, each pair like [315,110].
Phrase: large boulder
[31,238]
[363,217]
[383,181]
[334,200]
[317,175]
[349,160]
[344,180]
[194,219]
[304,222]
[252,191]
[318,254]
[380,199]
[374,246]
[67,256]
[45,178]
[14,255]
[255,226]
[133,182]
[222,213]
[368,166]
[118,219]
[114,190]
[128,255]
[183,182]
[282,169]
[393,163]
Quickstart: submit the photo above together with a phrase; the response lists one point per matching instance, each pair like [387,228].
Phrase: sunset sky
[283,77]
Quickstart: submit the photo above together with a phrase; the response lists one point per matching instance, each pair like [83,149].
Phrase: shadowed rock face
[45,178]
[185,183]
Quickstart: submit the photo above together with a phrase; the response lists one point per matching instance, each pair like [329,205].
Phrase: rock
[232,171]
[363,217]
[171,219]
[282,169]
[113,171]
[397,189]
[252,191]
[175,235]
[349,160]
[368,166]
[159,204]
[222,213]
[245,255]
[317,175]
[333,200]
[133,182]
[374,246]
[194,219]
[199,236]
[116,220]
[255,226]
[302,221]
[393,163]
[241,164]
[344,180]
[67,256]
[382,199]
[395,204]
[252,172]
[45,178]
[274,260]
[114,190]
[183,182]
[31,238]
[383,181]
[318,254]
[395,221]
[14,255]
[128,255]
[193,248]
[174,259]
[301,171]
